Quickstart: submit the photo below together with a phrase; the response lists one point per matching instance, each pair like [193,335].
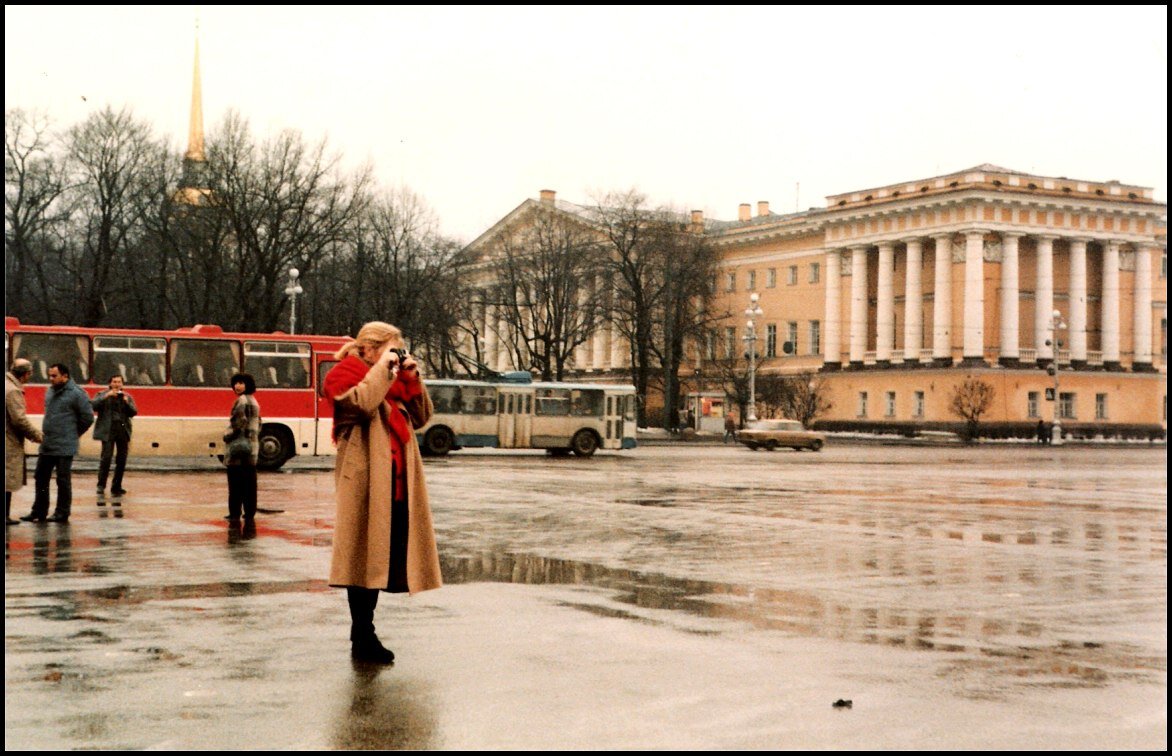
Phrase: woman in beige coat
[383,537]
[17,428]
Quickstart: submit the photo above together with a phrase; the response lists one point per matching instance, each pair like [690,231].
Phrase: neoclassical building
[896,294]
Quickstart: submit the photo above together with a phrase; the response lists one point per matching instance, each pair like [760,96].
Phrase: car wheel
[438,441]
[770,445]
[752,447]
[584,443]
[816,446]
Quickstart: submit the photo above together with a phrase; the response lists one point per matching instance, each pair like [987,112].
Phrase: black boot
[371,650]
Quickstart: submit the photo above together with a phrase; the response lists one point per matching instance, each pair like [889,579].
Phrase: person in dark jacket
[242,449]
[68,415]
[114,408]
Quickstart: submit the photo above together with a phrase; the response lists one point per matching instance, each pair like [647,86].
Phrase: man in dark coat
[68,415]
[114,408]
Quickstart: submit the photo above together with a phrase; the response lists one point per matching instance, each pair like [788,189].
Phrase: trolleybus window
[140,361]
[203,362]
[553,402]
[464,400]
[586,402]
[277,364]
[45,349]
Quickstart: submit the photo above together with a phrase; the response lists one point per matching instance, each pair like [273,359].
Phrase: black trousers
[46,464]
[242,491]
[363,600]
[109,446]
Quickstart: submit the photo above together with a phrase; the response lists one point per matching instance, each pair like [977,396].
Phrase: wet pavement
[674,597]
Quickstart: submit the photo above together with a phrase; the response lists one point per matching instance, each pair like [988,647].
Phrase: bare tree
[286,202]
[969,401]
[548,290]
[33,184]
[111,159]
[661,271]
[798,397]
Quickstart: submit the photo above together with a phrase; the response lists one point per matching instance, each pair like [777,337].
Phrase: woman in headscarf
[383,537]
[242,448]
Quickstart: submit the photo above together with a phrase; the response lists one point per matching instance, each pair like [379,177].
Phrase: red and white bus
[179,381]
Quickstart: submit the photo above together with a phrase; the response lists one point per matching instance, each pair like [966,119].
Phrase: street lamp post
[1056,324]
[754,311]
[292,290]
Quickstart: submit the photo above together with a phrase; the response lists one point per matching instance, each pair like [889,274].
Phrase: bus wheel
[276,446]
[438,441]
[584,443]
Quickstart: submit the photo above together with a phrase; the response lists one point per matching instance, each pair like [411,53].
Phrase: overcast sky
[477,109]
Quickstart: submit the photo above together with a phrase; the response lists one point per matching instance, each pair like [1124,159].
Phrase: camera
[400,353]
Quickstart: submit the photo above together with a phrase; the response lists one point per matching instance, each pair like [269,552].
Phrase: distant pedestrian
[17,428]
[383,536]
[242,449]
[692,419]
[114,408]
[730,428]
[68,415]
[1042,432]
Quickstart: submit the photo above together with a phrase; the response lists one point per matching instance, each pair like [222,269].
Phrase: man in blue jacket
[68,415]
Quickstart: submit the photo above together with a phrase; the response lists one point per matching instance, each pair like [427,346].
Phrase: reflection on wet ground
[1002,571]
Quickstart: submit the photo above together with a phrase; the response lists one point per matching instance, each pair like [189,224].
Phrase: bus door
[324,412]
[514,409]
[613,421]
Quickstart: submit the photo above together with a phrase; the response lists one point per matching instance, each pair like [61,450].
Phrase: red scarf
[349,373]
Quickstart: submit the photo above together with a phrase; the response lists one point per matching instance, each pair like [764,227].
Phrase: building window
[891,404]
[1066,405]
[730,342]
[1100,406]
[862,404]
[793,338]
[1032,405]
[815,272]
[712,285]
[1164,265]
[771,278]
[919,409]
[730,281]
[792,275]
[752,280]
[771,340]
[815,337]
[709,346]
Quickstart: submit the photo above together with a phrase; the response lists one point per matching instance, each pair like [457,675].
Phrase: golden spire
[195,135]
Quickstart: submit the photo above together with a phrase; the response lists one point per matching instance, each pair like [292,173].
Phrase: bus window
[445,399]
[139,361]
[553,402]
[45,349]
[204,362]
[277,364]
[586,402]
[480,400]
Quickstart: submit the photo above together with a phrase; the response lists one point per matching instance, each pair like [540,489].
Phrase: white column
[582,351]
[490,337]
[501,358]
[1142,333]
[1044,297]
[1111,302]
[831,333]
[913,302]
[858,303]
[1010,296]
[974,295]
[942,304]
[598,345]
[1078,300]
[618,350]
[885,314]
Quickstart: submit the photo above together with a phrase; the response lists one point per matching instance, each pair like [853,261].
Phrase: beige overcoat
[17,427]
[362,478]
